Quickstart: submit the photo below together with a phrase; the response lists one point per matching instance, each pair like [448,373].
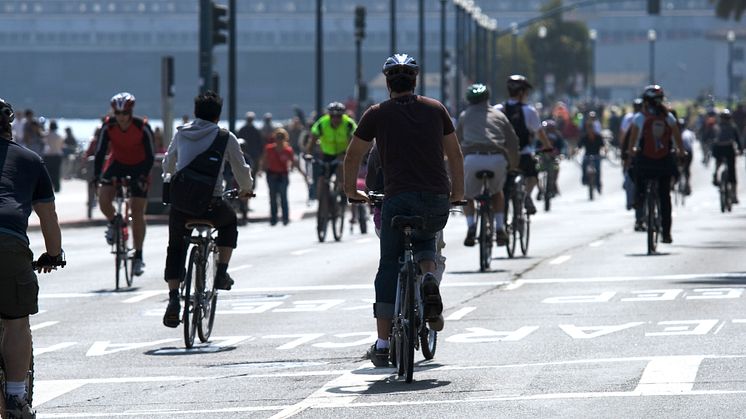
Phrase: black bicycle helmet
[7,115]
[653,94]
[477,93]
[400,65]
[336,109]
[725,115]
[637,104]
[517,84]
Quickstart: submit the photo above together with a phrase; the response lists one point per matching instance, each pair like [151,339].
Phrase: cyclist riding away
[527,125]
[412,133]
[593,144]
[725,139]
[24,184]
[685,164]
[652,136]
[125,148]
[190,141]
[488,142]
[332,132]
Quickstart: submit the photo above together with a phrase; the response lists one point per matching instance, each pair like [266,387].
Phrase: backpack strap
[221,142]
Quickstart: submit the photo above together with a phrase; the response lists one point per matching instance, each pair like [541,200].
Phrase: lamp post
[459,54]
[421,58]
[495,56]
[443,51]
[319,60]
[392,26]
[731,37]
[592,35]
[514,47]
[652,36]
[542,34]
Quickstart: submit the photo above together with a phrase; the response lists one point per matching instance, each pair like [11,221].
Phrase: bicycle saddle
[400,222]
[489,174]
[199,224]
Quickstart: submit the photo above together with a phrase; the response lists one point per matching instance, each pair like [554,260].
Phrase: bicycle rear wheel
[485,238]
[362,218]
[410,325]
[191,308]
[428,342]
[510,227]
[209,295]
[525,233]
[653,226]
[337,215]
[723,191]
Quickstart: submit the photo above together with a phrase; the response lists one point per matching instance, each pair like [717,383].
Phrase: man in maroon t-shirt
[413,134]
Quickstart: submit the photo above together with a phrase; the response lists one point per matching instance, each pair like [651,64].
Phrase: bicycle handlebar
[233,193]
[46,261]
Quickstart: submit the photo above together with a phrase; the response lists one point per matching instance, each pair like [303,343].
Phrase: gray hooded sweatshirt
[194,138]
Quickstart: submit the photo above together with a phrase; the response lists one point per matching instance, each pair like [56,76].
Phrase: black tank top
[514,112]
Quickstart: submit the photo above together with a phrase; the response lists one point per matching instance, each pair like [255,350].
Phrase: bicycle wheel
[118,263]
[398,343]
[510,227]
[525,233]
[591,179]
[322,219]
[653,226]
[362,218]
[428,342]
[209,295]
[485,238]
[410,326]
[723,192]
[191,309]
[548,194]
[127,258]
[337,215]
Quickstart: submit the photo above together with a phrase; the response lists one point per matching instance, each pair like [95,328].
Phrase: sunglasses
[122,113]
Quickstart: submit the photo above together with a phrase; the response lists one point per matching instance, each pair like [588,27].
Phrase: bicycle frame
[653,209]
[331,207]
[408,310]
[199,303]
[120,248]
[486,227]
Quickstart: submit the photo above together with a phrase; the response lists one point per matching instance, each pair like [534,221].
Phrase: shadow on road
[196,350]
[716,245]
[119,291]
[652,254]
[737,278]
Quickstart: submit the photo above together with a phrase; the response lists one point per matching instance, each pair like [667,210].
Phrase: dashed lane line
[42,325]
[560,260]
[597,243]
[459,314]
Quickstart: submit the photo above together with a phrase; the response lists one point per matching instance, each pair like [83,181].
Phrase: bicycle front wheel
[209,295]
[485,238]
[510,226]
[525,233]
[337,215]
[428,342]
[322,218]
[653,226]
[191,308]
[362,218]
[410,325]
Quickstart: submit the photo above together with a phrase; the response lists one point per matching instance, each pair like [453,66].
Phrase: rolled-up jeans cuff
[424,255]
[383,311]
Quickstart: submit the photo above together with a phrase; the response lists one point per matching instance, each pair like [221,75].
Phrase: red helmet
[123,102]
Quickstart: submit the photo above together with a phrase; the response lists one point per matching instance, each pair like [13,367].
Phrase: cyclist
[128,141]
[527,125]
[688,139]
[726,136]
[412,133]
[594,145]
[488,143]
[332,132]
[189,141]
[24,184]
[559,148]
[653,133]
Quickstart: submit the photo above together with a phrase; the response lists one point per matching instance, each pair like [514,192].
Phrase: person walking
[53,152]
[279,158]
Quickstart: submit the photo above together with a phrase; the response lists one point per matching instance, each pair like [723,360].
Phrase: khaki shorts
[19,288]
[474,163]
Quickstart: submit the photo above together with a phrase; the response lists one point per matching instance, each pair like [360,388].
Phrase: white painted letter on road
[592,298]
[590,332]
[367,337]
[685,327]
[715,293]
[301,339]
[479,335]
[654,295]
[107,348]
[310,305]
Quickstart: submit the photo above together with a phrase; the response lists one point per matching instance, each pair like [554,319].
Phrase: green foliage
[726,9]
[524,64]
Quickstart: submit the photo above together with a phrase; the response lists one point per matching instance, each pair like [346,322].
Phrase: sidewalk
[71,204]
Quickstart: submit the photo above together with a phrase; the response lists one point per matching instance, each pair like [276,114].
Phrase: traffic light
[359,22]
[654,7]
[219,18]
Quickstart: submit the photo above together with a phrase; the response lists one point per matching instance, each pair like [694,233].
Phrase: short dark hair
[208,106]
[401,84]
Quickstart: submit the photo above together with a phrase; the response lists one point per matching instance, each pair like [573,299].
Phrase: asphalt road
[587,325]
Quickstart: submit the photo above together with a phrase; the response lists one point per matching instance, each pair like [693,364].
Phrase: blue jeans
[278,190]
[435,209]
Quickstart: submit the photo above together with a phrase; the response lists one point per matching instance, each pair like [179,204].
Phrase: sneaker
[17,407]
[138,267]
[530,208]
[436,324]
[433,304]
[471,235]
[223,282]
[109,234]
[378,356]
[501,237]
[640,226]
[173,312]
[667,238]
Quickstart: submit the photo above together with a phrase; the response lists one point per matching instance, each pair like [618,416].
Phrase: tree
[725,9]
[564,52]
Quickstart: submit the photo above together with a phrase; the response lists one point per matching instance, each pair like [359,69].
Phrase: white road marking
[239,267]
[596,243]
[38,351]
[514,286]
[560,260]
[302,252]
[144,296]
[669,375]
[341,391]
[42,325]
[362,241]
[678,277]
[459,314]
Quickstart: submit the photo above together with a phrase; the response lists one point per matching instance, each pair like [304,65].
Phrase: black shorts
[19,289]
[527,165]
[139,179]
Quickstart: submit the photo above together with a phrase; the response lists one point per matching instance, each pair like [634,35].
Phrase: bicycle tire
[362,219]
[591,180]
[128,260]
[428,342]
[209,296]
[510,226]
[117,256]
[397,346]
[485,238]
[410,325]
[322,221]
[525,233]
[723,189]
[337,215]
[652,220]
[191,309]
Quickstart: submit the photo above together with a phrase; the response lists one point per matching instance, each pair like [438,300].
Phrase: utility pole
[232,65]
[421,58]
[361,90]
[459,58]
[392,27]
[443,74]
[319,59]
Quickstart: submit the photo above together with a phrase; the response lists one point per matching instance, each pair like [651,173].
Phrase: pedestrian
[295,130]
[158,143]
[268,128]
[253,145]
[69,152]
[53,152]
[277,162]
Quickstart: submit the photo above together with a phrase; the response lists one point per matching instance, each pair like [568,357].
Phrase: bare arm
[452,150]
[355,152]
[50,227]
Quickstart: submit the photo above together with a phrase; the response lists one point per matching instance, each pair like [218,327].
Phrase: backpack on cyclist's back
[657,136]
[191,188]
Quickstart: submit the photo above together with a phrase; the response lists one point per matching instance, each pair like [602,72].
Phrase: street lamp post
[319,58]
[592,35]
[443,51]
[495,57]
[542,33]
[731,37]
[652,36]
[459,54]
[392,27]
[421,53]
[514,47]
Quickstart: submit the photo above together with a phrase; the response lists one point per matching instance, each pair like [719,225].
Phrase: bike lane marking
[459,314]
[42,325]
[302,252]
[674,277]
[597,243]
[239,267]
[669,375]
[560,260]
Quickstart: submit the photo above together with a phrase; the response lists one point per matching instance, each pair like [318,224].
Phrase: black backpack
[191,188]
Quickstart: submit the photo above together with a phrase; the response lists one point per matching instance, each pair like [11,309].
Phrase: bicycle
[120,247]
[332,202]
[725,189]
[591,174]
[30,373]
[548,170]
[197,291]
[485,220]
[517,219]
[653,215]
